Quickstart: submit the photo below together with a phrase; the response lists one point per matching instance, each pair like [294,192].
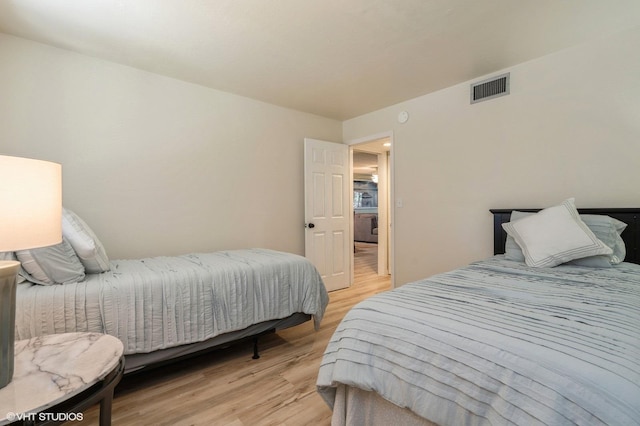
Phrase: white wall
[570,127]
[157,166]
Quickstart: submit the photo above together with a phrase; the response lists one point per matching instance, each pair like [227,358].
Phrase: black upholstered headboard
[630,216]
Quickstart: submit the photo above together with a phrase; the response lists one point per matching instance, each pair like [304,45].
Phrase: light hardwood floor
[227,387]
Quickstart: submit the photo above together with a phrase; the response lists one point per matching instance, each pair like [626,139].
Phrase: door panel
[326,211]
[338,252]
[337,191]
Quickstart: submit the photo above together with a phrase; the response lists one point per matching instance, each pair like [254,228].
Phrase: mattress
[498,342]
[163,302]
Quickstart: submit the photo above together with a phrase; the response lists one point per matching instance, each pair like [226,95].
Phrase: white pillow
[56,264]
[554,236]
[85,243]
[606,228]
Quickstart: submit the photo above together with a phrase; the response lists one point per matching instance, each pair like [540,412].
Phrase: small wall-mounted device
[403,116]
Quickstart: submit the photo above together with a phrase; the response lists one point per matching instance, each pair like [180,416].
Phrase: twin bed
[497,342]
[163,308]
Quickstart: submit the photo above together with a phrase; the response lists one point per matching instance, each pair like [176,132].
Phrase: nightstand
[57,377]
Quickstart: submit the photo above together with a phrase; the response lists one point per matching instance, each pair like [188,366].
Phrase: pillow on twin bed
[85,243]
[56,264]
[80,251]
[605,228]
[554,236]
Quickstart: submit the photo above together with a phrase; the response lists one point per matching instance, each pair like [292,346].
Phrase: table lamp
[30,217]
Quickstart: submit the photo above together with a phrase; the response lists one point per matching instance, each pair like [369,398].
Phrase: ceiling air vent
[491,88]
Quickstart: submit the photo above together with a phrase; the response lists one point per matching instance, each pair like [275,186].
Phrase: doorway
[371,179]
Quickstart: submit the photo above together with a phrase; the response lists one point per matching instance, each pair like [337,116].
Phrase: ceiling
[364,163]
[334,58]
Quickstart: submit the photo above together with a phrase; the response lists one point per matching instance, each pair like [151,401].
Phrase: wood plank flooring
[227,387]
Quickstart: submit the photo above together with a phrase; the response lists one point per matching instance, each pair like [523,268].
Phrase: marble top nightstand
[62,373]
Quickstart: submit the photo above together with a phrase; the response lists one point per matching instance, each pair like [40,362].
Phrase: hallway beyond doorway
[365,260]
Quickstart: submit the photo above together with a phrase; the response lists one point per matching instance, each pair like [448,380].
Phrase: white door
[327,237]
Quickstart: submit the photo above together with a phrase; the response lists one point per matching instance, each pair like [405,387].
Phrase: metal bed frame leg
[256,355]
[255,348]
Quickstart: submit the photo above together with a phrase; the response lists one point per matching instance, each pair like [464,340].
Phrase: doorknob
[310,225]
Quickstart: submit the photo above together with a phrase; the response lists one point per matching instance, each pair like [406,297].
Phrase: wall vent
[493,87]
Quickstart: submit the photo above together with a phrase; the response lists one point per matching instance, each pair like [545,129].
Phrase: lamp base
[8,272]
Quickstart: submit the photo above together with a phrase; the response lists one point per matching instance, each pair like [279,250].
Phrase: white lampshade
[30,203]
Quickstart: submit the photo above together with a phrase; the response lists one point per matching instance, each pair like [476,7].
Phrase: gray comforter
[499,343]
[162,302]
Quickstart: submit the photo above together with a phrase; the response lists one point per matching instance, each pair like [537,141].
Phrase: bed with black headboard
[495,342]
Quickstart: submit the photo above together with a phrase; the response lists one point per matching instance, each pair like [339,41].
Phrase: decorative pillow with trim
[554,236]
[606,228]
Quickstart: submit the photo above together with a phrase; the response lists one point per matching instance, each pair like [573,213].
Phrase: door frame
[390,198]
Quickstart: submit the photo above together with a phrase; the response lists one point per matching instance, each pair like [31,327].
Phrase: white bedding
[162,302]
[498,343]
